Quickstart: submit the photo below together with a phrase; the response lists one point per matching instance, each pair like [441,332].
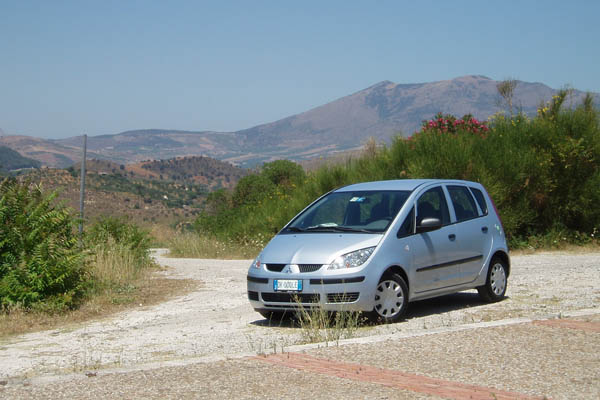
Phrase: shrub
[40,262]
[543,173]
[283,173]
[109,230]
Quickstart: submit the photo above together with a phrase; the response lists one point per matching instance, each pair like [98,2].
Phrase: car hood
[315,248]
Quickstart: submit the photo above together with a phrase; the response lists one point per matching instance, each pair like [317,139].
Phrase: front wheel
[391,299]
[495,285]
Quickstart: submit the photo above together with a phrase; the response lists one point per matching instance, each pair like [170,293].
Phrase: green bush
[543,174]
[283,173]
[40,262]
[110,229]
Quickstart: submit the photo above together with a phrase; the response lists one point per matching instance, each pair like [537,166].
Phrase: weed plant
[318,325]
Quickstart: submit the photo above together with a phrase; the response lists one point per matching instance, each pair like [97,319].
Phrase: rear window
[480,200]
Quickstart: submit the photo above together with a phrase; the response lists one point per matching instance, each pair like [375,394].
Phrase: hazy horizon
[71,68]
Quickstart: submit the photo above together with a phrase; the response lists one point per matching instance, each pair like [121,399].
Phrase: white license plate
[287,285]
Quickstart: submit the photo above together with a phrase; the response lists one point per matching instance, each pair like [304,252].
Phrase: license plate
[287,285]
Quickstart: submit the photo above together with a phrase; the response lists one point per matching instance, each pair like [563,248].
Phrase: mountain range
[379,111]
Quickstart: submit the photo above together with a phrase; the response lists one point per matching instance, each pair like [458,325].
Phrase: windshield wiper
[295,229]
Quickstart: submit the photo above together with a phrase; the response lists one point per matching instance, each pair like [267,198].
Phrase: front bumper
[331,292]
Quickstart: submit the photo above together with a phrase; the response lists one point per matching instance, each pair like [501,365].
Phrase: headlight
[256,263]
[353,259]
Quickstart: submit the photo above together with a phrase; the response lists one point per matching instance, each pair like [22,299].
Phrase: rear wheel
[391,299]
[495,285]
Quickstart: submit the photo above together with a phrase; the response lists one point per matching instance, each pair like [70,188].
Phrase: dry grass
[145,291]
[120,283]
[591,247]
[319,325]
[198,246]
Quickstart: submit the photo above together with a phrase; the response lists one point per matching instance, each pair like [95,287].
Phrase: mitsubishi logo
[291,269]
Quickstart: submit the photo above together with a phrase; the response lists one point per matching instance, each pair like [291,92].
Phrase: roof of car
[397,184]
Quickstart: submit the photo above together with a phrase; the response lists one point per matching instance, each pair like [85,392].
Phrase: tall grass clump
[543,173]
[318,325]
[119,252]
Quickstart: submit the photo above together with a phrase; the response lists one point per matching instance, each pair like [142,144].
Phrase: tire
[391,299]
[496,282]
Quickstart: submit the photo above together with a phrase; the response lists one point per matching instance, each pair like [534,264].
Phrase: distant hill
[206,171]
[11,160]
[47,152]
[380,111]
[201,170]
[145,202]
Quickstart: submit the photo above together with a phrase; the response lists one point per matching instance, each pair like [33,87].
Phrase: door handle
[484,229]
[452,236]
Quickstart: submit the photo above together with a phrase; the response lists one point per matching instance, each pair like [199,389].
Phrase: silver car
[376,246]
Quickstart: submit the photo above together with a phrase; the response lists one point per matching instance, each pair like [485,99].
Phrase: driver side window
[432,204]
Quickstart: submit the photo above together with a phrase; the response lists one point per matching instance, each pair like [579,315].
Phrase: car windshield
[364,211]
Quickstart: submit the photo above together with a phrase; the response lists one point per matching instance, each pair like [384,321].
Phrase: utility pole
[82,191]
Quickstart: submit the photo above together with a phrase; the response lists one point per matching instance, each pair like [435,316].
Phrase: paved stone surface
[395,379]
[569,323]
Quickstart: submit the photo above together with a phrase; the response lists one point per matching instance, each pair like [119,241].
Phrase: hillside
[199,170]
[117,196]
[206,171]
[47,152]
[11,160]
[162,192]
[379,111]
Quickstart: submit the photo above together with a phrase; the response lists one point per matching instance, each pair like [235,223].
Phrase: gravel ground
[234,379]
[190,338]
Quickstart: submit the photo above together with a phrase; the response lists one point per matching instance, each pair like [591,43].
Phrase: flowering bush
[450,124]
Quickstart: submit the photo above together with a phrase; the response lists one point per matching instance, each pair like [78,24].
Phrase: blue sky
[103,67]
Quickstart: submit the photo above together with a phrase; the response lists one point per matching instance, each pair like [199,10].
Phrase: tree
[251,189]
[283,172]
[506,89]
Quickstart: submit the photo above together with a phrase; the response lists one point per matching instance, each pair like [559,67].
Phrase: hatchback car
[376,246]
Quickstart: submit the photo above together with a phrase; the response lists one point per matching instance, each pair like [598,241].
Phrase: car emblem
[291,269]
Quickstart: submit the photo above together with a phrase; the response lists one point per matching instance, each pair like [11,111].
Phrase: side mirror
[428,225]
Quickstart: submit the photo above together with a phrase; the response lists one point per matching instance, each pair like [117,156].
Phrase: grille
[302,267]
[309,267]
[342,297]
[253,295]
[275,267]
[291,297]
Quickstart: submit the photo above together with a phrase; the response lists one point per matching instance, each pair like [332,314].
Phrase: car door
[473,235]
[434,252]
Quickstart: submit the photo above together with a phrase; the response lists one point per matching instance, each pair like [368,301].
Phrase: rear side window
[480,200]
[464,205]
